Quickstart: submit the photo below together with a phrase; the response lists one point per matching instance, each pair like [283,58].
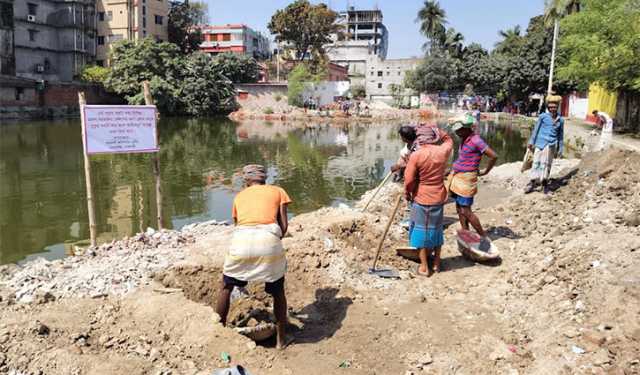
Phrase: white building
[381,75]
[363,36]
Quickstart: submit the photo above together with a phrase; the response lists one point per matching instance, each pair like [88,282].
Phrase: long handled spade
[388,272]
[377,191]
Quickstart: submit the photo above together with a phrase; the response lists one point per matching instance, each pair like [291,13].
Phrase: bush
[237,68]
[94,74]
[298,78]
[179,85]
[358,91]
[268,111]
[277,97]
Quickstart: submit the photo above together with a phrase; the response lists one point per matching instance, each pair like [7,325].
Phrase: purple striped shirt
[469,154]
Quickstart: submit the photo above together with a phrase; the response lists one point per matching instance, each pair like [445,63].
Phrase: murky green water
[42,190]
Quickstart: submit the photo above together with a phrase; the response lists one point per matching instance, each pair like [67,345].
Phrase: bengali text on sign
[120,129]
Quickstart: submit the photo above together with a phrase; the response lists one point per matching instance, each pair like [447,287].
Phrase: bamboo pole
[148,99]
[87,171]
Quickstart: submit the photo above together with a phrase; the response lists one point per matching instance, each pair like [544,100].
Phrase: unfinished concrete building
[7,51]
[364,36]
[54,39]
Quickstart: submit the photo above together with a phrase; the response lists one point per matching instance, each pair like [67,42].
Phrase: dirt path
[562,301]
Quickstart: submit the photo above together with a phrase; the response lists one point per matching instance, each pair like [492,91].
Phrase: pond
[43,206]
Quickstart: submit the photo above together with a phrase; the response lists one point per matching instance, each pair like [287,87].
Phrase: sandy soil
[563,300]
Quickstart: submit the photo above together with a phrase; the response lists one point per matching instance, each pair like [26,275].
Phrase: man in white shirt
[606,123]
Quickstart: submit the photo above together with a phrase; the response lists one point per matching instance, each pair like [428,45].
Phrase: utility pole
[553,56]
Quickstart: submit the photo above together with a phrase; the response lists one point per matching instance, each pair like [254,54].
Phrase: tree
[305,27]
[437,72]
[183,19]
[200,11]
[180,85]
[601,44]
[511,40]
[94,74]
[237,68]
[204,90]
[299,78]
[453,42]
[432,19]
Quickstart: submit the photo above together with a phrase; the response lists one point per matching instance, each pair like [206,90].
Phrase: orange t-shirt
[259,204]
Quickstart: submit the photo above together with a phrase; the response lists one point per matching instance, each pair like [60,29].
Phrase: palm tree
[510,39]
[553,12]
[453,42]
[432,19]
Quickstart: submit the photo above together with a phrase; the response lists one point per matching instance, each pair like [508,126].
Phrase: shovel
[387,272]
[377,191]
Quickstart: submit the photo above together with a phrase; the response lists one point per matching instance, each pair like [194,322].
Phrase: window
[379,85]
[100,16]
[144,22]
[109,15]
[100,62]
[379,73]
[100,40]
[33,9]
[226,37]
[159,20]
[144,33]
[144,10]
[388,73]
[372,73]
[399,73]
[19,93]
[32,35]
[115,37]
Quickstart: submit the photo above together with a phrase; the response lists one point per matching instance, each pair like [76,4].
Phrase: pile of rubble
[115,268]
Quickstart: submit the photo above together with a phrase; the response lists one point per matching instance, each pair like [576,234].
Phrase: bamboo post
[87,171]
[148,99]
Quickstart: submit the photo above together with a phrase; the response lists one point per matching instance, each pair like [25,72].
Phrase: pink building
[235,38]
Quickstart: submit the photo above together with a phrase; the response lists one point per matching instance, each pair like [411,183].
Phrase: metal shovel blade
[386,273]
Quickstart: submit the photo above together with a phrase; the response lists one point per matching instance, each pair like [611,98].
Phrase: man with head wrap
[424,188]
[256,252]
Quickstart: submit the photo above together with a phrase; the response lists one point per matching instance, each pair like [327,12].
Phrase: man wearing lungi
[256,252]
[424,188]
[463,179]
[547,143]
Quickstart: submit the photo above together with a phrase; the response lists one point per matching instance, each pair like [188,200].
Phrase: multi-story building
[53,39]
[382,75]
[129,19]
[7,51]
[362,37]
[237,38]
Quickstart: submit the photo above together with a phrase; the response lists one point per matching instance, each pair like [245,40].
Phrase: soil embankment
[563,300]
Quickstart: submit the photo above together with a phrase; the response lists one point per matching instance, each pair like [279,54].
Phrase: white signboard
[120,129]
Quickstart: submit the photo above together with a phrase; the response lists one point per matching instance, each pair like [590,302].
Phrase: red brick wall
[67,95]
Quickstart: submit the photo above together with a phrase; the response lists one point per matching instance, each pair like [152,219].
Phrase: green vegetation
[296,84]
[305,27]
[237,68]
[602,44]
[517,67]
[277,97]
[94,74]
[180,85]
[183,19]
[268,111]
[358,91]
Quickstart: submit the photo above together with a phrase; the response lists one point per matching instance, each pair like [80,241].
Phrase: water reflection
[42,197]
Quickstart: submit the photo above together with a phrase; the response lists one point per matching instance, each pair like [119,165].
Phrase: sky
[478,21]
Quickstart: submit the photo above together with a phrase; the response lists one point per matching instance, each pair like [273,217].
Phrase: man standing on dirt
[463,180]
[604,121]
[424,188]
[256,253]
[547,143]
